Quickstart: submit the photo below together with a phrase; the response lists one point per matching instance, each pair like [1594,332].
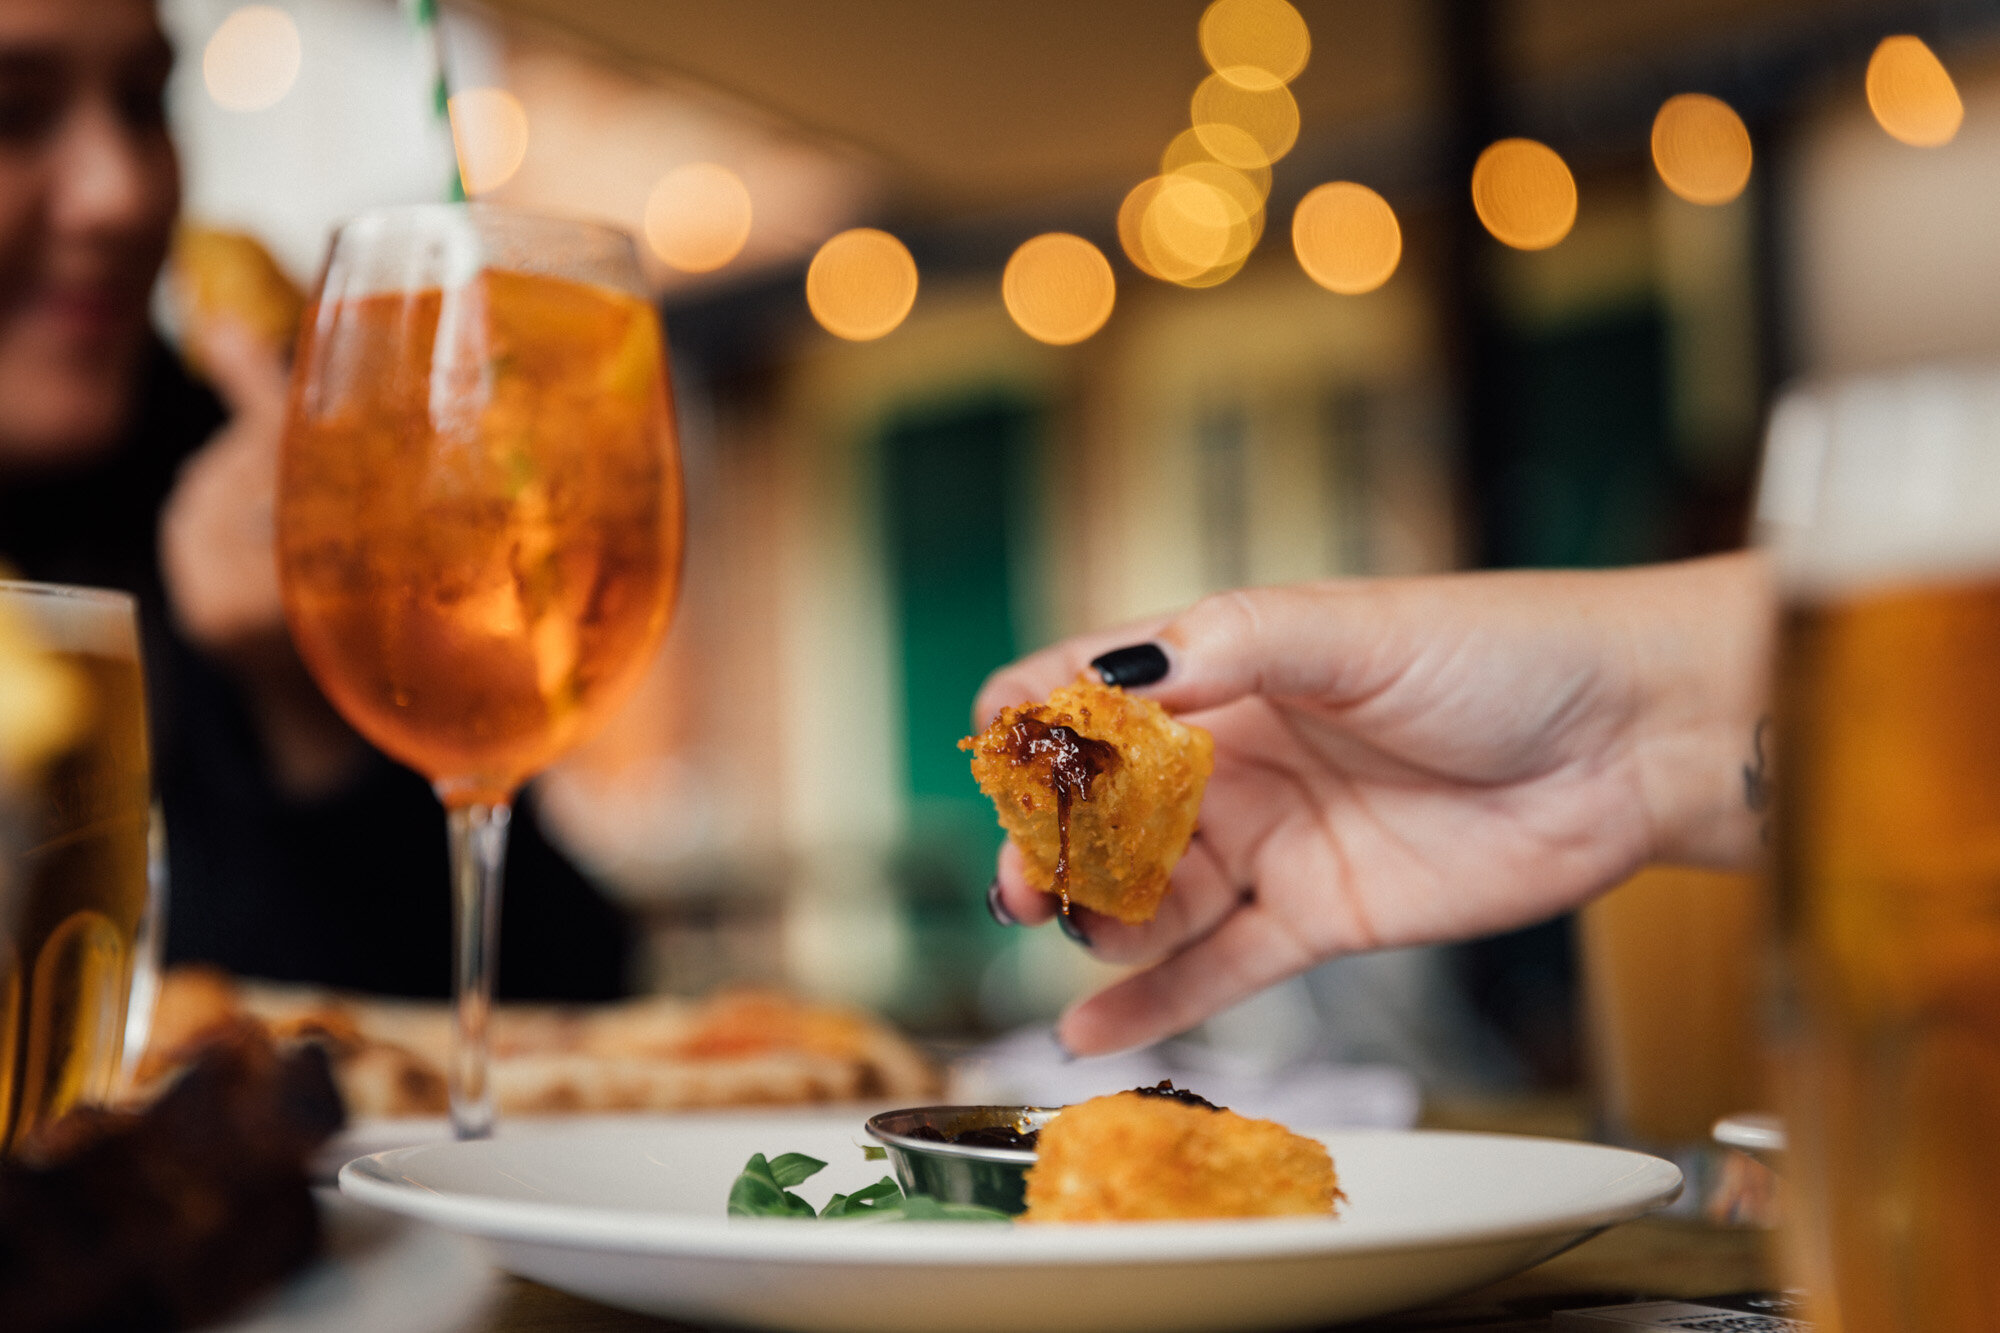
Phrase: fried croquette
[1131,1157]
[1099,790]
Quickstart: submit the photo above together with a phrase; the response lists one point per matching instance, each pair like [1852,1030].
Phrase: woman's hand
[218,553]
[219,561]
[1416,760]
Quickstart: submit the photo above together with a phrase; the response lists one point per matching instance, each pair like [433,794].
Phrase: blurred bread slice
[663,1053]
[217,273]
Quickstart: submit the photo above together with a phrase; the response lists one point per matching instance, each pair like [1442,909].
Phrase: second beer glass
[1881,503]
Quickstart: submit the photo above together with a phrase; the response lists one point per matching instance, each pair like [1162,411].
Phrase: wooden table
[1640,1259]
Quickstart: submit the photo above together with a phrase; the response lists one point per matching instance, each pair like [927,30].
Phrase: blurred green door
[960,483]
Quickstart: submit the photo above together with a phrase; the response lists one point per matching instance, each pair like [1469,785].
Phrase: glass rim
[474,207]
[73,592]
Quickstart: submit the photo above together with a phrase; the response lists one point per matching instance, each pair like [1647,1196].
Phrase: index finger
[1032,677]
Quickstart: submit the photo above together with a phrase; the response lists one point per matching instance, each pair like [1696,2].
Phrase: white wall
[355,131]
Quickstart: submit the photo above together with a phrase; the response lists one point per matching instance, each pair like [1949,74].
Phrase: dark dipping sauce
[1013,1136]
[987,1136]
[1074,762]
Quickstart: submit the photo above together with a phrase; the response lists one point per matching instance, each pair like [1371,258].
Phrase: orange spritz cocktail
[479,520]
[475,577]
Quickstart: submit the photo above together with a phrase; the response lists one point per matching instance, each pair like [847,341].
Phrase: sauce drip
[1074,762]
[1165,1088]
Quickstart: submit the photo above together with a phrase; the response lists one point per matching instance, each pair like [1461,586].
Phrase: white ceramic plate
[380,1273]
[632,1214]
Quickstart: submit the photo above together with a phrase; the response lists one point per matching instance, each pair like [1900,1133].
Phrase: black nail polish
[1139,664]
[998,909]
[1072,929]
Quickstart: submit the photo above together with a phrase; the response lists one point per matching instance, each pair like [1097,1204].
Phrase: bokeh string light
[1194,227]
[1059,288]
[861,284]
[1701,148]
[489,130]
[1912,94]
[1524,194]
[1243,152]
[252,58]
[698,217]
[1132,226]
[1346,237]
[1265,121]
[1255,44]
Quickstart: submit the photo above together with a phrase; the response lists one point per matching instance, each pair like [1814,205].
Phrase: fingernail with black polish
[1072,929]
[998,909]
[1139,664]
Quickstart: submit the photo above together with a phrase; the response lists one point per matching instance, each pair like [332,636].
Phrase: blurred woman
[296,852]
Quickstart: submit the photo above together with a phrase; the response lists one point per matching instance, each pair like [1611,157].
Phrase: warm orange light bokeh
[861,284]
[1059,288]
[1132,226]
[1187,149]
[1347,238]
[1701,148]
[252,58]
[1194,227]
[1255,44]
[1269,117]
[698,217]
[1523,192]
[489,129]
[1912,94]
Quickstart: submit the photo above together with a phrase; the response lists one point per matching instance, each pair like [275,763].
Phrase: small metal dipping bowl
[955,1172]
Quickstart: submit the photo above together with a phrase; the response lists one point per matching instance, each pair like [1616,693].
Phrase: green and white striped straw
[424,18]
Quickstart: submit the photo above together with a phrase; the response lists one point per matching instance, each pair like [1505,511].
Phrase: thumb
[1333,643]
[246,371]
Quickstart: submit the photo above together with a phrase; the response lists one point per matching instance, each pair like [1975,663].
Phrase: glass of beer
[479,520]
[1673,966]
[75,813]
[1880,503]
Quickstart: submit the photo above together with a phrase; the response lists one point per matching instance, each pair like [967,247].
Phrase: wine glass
[479,521]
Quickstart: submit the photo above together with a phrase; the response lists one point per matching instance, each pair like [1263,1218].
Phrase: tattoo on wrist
[1756,773]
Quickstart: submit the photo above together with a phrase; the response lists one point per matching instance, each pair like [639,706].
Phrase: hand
[219,561]
[1410,761]
[218,549]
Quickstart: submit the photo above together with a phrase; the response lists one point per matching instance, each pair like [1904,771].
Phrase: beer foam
[74,620]
[1883,479]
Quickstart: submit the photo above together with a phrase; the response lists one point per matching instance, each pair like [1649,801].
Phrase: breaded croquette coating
[1133,1158]
[1128,776]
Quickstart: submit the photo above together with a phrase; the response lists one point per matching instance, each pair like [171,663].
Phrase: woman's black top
[349,891]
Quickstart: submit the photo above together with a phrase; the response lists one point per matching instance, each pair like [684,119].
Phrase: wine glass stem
[478,854]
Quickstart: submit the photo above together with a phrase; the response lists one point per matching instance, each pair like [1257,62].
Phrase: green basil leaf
[795,1168]
[881,1197]
[751,1197]
[759,1191]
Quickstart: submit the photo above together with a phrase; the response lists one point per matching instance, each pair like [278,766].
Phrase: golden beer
[75,886]
[1888,868]
[479,528]
[1673,966]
